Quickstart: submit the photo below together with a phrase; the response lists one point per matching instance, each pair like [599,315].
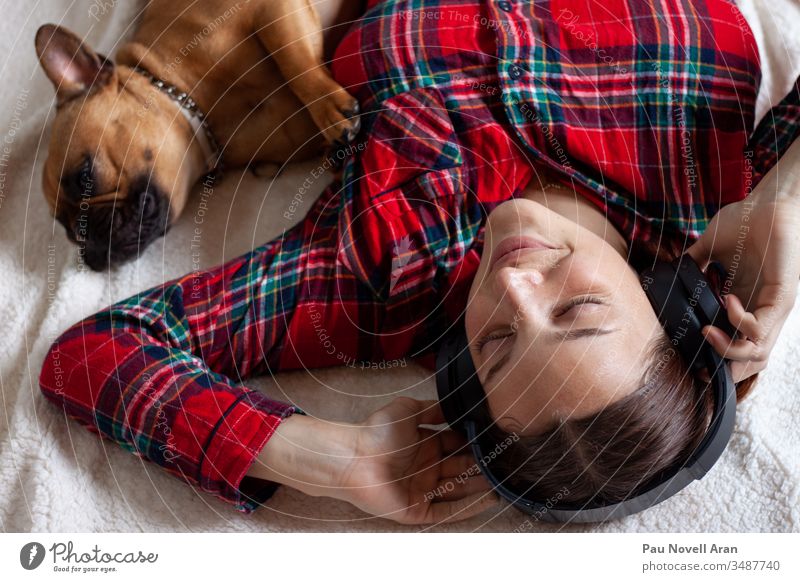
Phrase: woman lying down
[518,168]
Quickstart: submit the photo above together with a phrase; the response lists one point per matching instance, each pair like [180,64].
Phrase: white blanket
[56,476]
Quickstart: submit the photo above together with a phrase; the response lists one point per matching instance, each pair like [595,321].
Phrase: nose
[518,287]
[116,234]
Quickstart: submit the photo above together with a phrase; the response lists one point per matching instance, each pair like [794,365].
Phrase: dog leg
[290,31]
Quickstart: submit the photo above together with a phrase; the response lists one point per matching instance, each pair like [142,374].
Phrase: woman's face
[560,327]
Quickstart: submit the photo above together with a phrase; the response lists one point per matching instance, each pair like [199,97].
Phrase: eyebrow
[569,335]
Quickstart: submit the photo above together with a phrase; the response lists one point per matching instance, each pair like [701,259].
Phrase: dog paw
[338,117]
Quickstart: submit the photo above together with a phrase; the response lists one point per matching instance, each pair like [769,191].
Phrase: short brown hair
[615,453]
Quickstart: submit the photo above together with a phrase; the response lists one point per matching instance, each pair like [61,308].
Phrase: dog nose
[96,257]
[110,235]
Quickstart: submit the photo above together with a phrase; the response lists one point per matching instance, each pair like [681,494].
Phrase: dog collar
[196,118]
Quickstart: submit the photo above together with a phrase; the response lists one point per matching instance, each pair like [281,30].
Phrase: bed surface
[56,476]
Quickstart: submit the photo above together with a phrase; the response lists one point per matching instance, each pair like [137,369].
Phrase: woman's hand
[758,241]
[387,465]
[414,475]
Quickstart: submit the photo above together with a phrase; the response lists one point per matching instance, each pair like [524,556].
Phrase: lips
[512,247]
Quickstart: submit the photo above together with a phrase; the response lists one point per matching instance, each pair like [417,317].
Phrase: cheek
[50,197]
[173,184]
[479,287]
[50,180]
[597,263]
[512,215]
[474,316]
[631,293]
[644,314]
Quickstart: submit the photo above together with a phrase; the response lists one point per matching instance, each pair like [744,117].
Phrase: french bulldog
[200,81]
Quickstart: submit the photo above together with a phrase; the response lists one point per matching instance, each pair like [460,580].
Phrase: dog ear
[71,65]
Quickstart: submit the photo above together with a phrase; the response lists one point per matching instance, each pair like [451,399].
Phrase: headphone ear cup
[702,294]
[459,390]
[685,303]
[668,297]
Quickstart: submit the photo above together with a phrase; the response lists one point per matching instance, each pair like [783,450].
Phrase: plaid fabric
[645,108]
[776,132]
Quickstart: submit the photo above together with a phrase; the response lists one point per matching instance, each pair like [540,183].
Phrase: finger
[429,412]
[742,320]
[455,465]
[460,509]
[740,349]
[452,441]
[771,319]
[743,370]
[458,488]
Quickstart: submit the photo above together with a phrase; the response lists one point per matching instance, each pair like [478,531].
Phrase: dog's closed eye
[80,183]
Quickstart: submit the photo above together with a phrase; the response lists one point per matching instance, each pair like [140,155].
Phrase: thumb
[429,412]
[700,251]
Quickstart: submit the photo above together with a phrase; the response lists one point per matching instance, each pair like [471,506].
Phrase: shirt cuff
[233,447]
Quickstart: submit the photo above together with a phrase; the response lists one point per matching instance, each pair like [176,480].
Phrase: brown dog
[201,77]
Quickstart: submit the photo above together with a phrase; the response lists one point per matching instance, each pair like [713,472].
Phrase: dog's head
[119,167]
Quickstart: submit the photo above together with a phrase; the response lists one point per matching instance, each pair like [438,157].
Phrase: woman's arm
[757,242]
[388,465]
[160,373]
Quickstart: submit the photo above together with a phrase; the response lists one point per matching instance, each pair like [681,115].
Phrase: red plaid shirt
[644,108]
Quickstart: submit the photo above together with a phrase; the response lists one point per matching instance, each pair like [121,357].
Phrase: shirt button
[515,72]
[505,6]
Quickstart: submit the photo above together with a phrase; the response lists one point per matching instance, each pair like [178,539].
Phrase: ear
[72,66]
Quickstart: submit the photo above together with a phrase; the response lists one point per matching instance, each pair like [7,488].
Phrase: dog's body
[123,158]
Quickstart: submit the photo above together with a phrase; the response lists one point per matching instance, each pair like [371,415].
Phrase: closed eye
[559,311]
[488,338]
[564,308]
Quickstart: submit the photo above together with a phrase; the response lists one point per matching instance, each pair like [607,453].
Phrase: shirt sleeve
[164,372]
[777,131]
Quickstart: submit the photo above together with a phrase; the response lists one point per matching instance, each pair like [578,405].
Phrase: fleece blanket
[56,476]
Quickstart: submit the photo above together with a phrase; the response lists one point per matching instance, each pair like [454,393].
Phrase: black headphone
[684,301]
